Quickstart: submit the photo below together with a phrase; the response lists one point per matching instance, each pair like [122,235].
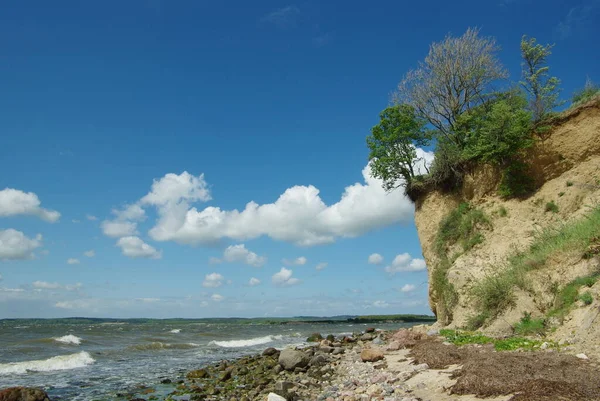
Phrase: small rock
[378,340]
[325,343]
[318,360]
[197,374]
[314,337]
[393,346]
[371,355]
[582,356]
[338,351]
[275,397]
[421,367]
[433,332]
[404,376]
[270,351]
[166,381]
[370,330]
[326,349]
[366,337]
[330,338]
[544,345]
[277,369]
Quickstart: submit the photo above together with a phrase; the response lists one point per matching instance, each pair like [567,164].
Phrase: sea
[79,359]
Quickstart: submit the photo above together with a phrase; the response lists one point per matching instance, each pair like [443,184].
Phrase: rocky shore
[405,365]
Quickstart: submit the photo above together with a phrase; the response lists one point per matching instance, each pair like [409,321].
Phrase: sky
[202,159]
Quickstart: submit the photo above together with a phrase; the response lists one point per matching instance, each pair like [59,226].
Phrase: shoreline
[414,364]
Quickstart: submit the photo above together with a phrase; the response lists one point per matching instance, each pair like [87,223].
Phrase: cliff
[517,247]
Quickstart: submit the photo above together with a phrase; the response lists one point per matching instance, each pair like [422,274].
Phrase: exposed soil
[530,376]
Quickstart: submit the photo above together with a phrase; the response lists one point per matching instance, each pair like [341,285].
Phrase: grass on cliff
[459,338]
[495,293]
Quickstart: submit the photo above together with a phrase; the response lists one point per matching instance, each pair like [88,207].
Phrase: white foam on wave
[246,343]
[68,339]
[175,331]
[61,362]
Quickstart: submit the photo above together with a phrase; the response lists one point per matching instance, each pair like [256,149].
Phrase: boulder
[289,359]
[197,374]
[270,351]
[393,346]
[23,394]
[275,397]
[371,355]
[331,338]
[378,340]
[406,338]
[318,360]
[326,349]
[370,330]
[314,337]
[366,337]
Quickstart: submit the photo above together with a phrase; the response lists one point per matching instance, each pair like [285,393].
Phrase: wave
[61,362]
[68,339]
[175,331]
[246,343]
[157,345]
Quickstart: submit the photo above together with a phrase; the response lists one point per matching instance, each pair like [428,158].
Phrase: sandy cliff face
[566,167]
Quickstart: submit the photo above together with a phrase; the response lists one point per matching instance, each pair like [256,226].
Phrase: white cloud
[321,266]
[284,278]
[117,229]
[16,245]
[14,202]
[75,304]
[173,189]
[134,247]
[130,212]
[239,253]
[380,304]
[578,19]
[301,261]
[252,283]
[375,259]
[90,254]
[408,288]
[213,280]
[148,300]
[282,17]
[44,285]
[73,261]
[217,297]
[298,216]
[405,263]
[91,217]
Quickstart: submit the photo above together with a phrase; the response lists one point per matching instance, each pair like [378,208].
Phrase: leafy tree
[454,77]
[498,130]
[392,144]
[542,88]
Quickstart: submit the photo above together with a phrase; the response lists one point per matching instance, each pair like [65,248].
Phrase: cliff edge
[495,263]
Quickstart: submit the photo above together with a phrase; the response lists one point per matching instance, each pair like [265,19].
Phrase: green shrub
[502,212]
[588,92]
[462,225]
[528,326]
[586,298]
[551,207]
[570,294]
[516,182]
[569,183]
[476,321]
[494,294]
[561,194]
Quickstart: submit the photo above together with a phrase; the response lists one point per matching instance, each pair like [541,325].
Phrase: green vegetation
[516,181]
[528,326]
[460,338]
[502,212]
[586,298]
[461,226]
[494,294]
[561,194]
[551,207]
[569,183]
[587,93]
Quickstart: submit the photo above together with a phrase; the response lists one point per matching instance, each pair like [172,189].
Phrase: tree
[454,77]
[392,145]
[542,88]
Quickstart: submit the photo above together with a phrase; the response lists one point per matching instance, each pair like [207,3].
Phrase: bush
[516,181]
[588,92]
[586,298]
[494,294]
[551,207]
[462,226]
[528,326]
[570,294]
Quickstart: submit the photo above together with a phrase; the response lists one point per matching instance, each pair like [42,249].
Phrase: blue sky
[135,134]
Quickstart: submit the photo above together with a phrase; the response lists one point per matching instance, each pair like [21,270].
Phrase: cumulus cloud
[375,259]
[213,280]
[134,247]
[15,245]
[298,216]
[252,283]
[380,304]
[90,254]
[117,229]
[217,297]
[321,266]
[239,253]
[284,278]
[405,263]
[14,202]
[73,261]
[91,217]
[301,261]
[408,288]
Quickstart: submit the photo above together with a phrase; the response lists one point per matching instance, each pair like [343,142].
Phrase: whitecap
[61,362]
[246,343]
[175,331]
[68,339]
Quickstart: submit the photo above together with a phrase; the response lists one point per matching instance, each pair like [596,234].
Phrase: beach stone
[378,341]
[406,338]
[325,343]
[366,337]
[314,337]
[338,351]
[582,356]
[393,346]
[326,349]
[330,338]
[371,355]
[23,394]
[197,374]
[275,397]
[270,351]
[277,369]
[284,389]
[290,359]
[318,360]
[370,330]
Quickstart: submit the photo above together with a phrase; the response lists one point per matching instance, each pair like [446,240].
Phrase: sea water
[81,359]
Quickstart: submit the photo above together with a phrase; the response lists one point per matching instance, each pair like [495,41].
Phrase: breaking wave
[246,343]
[68,339]
[61,362]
